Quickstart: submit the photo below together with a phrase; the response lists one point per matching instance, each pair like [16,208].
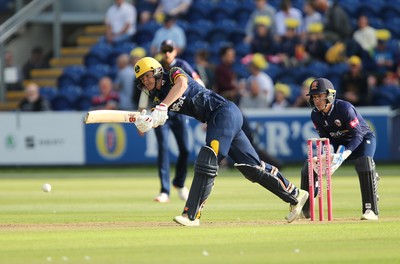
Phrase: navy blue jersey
[343,125]
[197,101]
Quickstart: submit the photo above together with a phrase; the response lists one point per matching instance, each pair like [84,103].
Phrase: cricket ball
[46,187]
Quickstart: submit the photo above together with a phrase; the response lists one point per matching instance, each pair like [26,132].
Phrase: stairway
[68,56]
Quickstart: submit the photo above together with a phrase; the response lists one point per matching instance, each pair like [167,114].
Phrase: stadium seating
[70,76]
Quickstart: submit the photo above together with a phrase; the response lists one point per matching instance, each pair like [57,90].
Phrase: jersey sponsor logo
[338,123]
[178,104]
[338,134]
[354,122]
[326,124]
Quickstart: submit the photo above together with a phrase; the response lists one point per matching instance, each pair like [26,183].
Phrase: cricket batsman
[348,132]
[176,91]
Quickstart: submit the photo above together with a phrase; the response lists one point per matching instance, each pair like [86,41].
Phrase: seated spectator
[108,98]
[303,98]
[282,93]
[227,84]
[175,8]
[37,61]
[169,30]
[291,49]
[311,16]
[354,83]
[124,82]
[32,101]
[383,58]
[365,35]
[263,40]
[120,21]
[263,9]
[287,11]
[259,87]
[315,45]
[12,73]
[205,69]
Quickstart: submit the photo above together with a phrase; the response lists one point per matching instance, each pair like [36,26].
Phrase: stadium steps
[69,56]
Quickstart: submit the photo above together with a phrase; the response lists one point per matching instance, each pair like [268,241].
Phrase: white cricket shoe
[182,220]
[162,198]
[369,215]
[183,193]
[295,210]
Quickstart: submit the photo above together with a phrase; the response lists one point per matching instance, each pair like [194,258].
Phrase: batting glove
[144,122]
[160,115]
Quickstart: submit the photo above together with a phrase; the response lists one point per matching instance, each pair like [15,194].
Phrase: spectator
[169,30]
[291,49]
[124,82]
[37,61]
[311,16]
[302,99]
[120,21]
[259,87]
[315,45]
[354,83]
[175,8]
[282,93]
[263,9]
[12,73]
[135,55]
[365,35]
[226,79]
[205,69]
[32,101]
[287,12]
[337,25]
[263,40]
[383,57]
[108,99]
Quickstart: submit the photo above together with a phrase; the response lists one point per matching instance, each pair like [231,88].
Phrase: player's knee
[206,163]
[364,164]
[251,172]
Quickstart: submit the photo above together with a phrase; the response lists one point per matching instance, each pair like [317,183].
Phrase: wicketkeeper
[352,139]
[176,91]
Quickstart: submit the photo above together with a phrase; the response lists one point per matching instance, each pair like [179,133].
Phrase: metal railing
[18,20]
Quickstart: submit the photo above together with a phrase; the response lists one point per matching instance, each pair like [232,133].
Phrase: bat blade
[110,116]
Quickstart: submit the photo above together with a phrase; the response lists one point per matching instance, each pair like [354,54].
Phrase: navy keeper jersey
[343,125]
[197,101]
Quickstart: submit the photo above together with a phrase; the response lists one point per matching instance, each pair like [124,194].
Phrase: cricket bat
[110,116]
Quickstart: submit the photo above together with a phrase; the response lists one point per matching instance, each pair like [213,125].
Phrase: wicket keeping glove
[338,158]
[144,122]
[160,115]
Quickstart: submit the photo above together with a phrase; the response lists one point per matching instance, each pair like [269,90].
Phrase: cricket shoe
[162,198]
[182,220]
[369,215]
[183,193]
[295,210]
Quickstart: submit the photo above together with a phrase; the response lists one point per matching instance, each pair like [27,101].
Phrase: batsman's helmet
[321,86]
[148,64]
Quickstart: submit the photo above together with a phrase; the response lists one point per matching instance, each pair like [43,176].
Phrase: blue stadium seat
[70,76]
[198,30]
[274,70]
[98,54]
[221,31]
[350,6]
[145,32]
[393,24]
[199,10]
[83,103]
[48,92]
[369,8]
[242,49]
[237,35]
[376,22]
[242,14]
[223,10]
[91,90]
[389,10]
[295,92]
[65,99]
[93,75]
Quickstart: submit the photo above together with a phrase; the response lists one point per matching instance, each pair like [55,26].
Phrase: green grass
[106,215]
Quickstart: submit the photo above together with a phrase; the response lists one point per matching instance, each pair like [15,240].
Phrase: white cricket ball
[46,187]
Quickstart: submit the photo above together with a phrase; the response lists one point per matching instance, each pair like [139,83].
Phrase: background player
[339,121]
[176,91]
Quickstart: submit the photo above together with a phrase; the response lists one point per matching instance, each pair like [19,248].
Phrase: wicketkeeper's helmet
[321,86]
[148,64]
